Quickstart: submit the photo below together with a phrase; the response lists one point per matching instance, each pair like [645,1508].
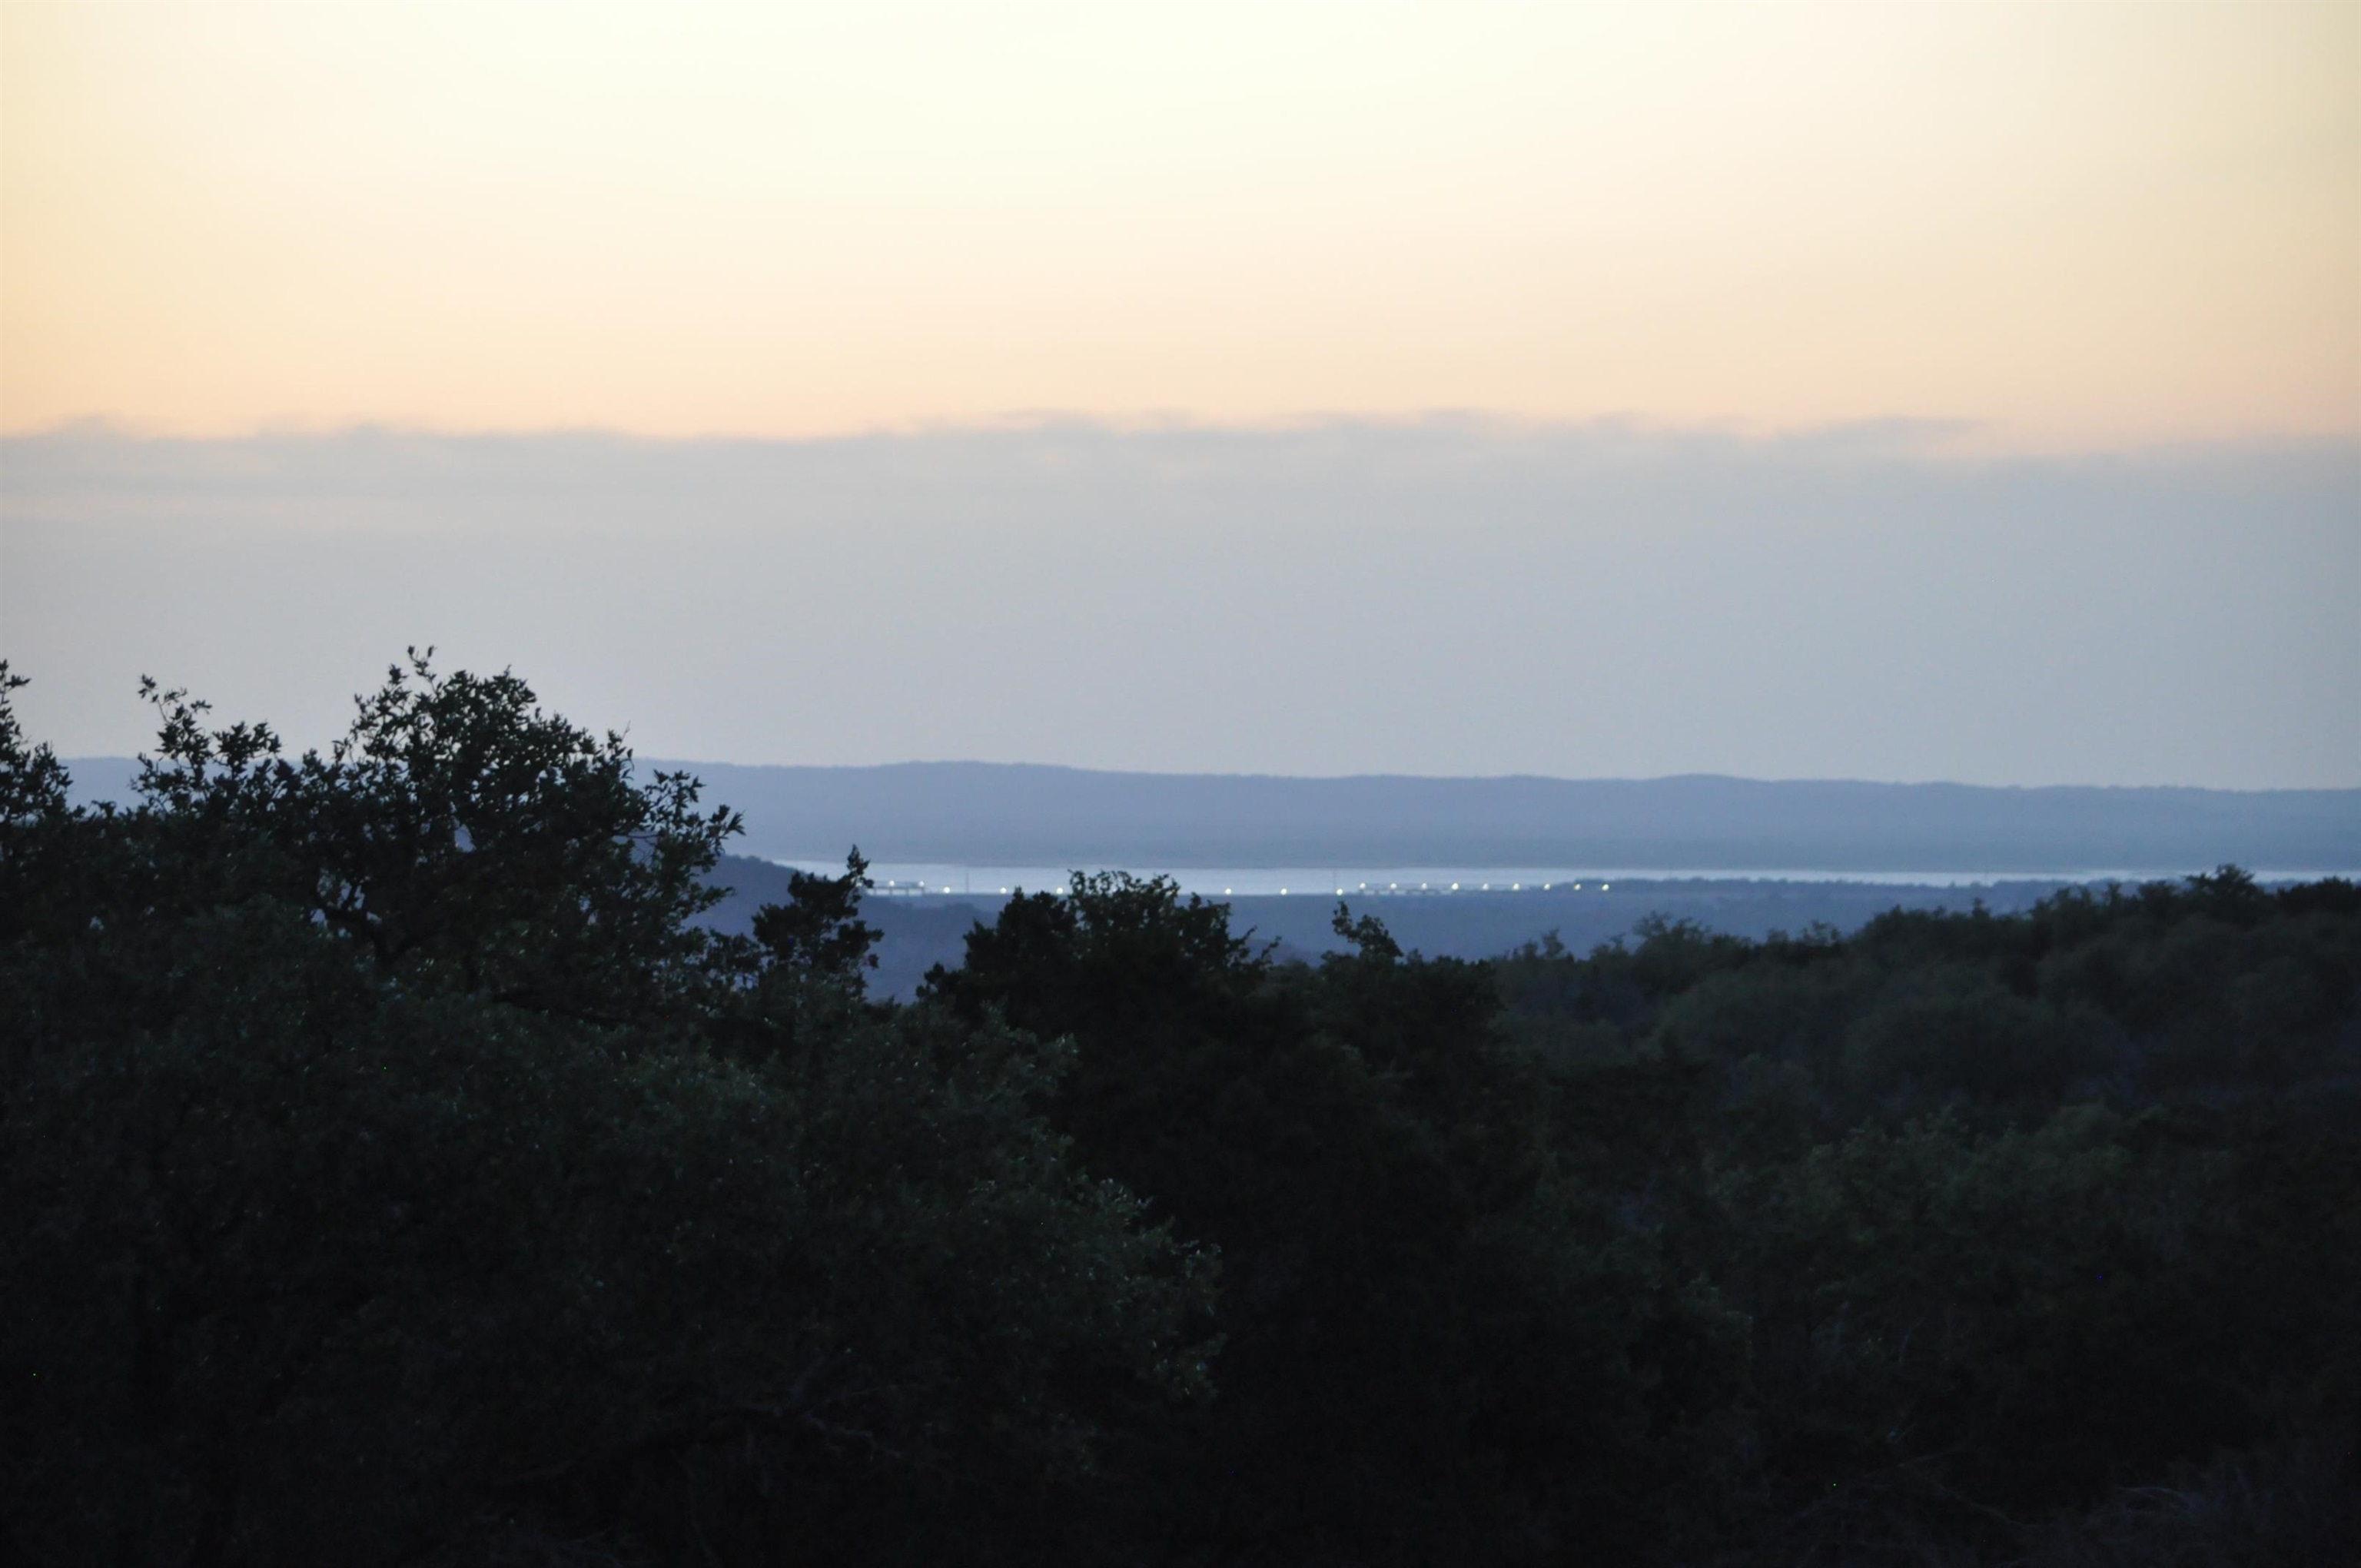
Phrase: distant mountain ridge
[1026,814]
[982,812]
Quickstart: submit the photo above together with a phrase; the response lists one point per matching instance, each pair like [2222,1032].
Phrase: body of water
[1429,882]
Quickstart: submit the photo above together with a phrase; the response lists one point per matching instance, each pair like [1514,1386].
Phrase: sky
[1909,390]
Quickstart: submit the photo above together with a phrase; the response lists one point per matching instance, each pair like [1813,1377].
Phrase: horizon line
[1689,776]
[1693,776]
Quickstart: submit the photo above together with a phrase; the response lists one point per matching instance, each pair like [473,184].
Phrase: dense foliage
[396,1169]
[2047,1228]
[394,1173]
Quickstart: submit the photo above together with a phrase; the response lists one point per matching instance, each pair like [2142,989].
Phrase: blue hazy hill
[976,813]
[982,812]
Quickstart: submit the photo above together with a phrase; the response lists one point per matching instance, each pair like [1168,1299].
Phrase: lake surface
[937,880]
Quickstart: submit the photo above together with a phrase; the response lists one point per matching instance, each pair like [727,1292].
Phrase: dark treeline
[398,1170]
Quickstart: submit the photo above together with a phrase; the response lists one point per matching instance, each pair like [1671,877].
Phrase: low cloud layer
[1443,597]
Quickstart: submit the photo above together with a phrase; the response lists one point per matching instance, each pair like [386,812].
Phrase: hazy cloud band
[1439,596]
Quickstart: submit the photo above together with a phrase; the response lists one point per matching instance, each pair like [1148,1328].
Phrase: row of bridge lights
[1393,887]
[1423,887]
[1389,887]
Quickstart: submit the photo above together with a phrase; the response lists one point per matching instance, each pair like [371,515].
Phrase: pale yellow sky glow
[2073,224]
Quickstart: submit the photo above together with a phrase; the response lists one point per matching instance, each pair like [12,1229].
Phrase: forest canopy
[397,1169]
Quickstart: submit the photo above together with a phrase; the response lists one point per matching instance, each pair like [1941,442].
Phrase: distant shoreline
[939,880]
[924,929]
